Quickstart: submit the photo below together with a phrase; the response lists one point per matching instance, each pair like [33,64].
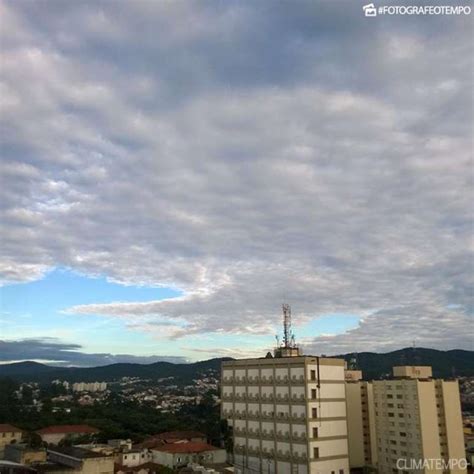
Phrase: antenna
[287,335]
[416,359]
[353,362]
[287,346]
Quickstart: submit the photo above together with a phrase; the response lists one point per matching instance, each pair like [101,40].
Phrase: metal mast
[287,335]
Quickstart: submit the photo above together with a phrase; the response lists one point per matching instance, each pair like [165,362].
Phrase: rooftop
[168,437]
[75,452]
[60,429]
[285,360]
[179,435]
[186,448]
[24,447]
[6,428]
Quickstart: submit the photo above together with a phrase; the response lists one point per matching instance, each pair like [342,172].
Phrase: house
[23,454]
[81,461]
[56,433]
[9,434]
[122,451]
[174,455]
[133,457]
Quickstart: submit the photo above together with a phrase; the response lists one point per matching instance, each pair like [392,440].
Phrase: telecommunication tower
[288,346]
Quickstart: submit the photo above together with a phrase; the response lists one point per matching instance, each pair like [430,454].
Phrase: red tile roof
[9,429]
[60,429]
[179,435]
[186,448]
[169,437]
[150,443]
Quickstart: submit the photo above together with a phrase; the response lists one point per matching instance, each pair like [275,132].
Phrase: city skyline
[172,172]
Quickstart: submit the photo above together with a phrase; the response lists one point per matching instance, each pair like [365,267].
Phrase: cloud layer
[55,352]
[244,153]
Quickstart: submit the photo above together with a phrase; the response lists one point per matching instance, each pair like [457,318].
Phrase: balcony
[297,380]
[298,416]
[298,397]
[253,380]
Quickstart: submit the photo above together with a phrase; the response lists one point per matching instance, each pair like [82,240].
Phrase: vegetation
[116,417]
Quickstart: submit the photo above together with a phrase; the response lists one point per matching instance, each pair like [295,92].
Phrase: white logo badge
[370,10]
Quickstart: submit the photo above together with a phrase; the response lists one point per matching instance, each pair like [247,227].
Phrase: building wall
[428,420]
[410,419]
[451,432]
[274,405]
[9,438]
[355,425]
[132,459]
[52,438]
[98,466]
[24,456]
[173,460]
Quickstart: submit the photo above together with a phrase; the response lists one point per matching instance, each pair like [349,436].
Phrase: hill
[374,366]
[445,364]
[35,372]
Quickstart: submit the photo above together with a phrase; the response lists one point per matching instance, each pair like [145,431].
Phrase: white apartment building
[287,413]
[89,387]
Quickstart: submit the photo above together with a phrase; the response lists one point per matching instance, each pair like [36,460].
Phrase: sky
[173,171]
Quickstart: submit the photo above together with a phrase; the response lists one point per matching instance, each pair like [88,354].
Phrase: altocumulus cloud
[243,152]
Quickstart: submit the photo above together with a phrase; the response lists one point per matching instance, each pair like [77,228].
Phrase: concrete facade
[393,423]
[288,414]
[181,454]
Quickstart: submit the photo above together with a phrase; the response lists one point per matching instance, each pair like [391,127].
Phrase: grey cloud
[244,154]
[58,353]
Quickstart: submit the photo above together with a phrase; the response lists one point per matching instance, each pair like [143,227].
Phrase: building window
[314,412]
[315,432]
[313,393]
[341,471]
[313,375]
[315,453]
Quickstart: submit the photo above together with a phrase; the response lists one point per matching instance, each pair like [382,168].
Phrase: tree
[33,439]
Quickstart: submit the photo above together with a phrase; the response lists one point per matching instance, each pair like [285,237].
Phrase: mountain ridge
[446,364]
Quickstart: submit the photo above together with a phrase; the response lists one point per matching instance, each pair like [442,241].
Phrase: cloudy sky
[174,170]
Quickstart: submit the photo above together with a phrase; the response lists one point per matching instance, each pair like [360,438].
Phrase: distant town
[282,413]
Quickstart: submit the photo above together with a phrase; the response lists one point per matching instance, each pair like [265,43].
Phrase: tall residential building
[411,423]
[287,412]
